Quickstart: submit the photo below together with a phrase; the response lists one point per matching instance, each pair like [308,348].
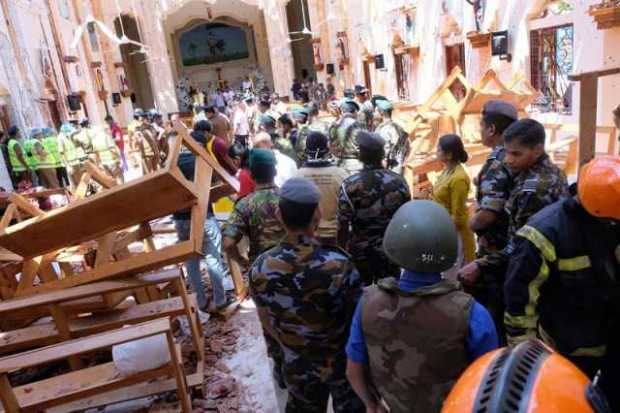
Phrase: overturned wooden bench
[151,303]
[90,381]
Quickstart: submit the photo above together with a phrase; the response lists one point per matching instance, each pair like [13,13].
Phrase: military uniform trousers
[310,384]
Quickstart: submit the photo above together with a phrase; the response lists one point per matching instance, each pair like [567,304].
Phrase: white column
[279,46]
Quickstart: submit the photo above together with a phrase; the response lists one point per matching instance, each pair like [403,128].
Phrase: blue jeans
[212,249]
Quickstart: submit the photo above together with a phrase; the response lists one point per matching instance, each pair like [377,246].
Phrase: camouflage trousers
[310,384]
[275,352]
[352,166]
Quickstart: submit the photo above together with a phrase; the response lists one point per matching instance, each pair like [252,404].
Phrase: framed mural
[401,22]
[212,43]
[342,49]
[316,54]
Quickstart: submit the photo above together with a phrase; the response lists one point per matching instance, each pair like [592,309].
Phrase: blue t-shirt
[482,336]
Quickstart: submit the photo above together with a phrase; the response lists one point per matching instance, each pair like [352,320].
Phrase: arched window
[211,43]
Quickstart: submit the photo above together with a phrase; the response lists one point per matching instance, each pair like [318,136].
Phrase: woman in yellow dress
[451,191]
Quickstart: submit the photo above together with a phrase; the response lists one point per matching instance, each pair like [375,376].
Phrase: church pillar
[279,47]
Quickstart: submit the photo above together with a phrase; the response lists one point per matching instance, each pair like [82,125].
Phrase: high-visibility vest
[47,161]
[67,148]
[29,155]
[104,146]
[16,165]
[50,144]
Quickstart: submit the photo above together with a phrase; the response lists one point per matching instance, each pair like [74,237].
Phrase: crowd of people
[363,293]
[382,301]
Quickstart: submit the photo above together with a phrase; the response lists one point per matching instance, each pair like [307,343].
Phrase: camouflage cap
[384,105]
[262,157]
[349,104]
[300,114]
[501,107]
[267,120]
[300,190]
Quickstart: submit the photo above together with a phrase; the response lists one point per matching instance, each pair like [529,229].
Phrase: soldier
[412,337]
[396,139]
[562,281]
[50,143]
[367,111]
[303,129]
[366,204]
[255,216]
[537,183]
[328,177]
[146,139]
[316,124]
[344,137]
[490,222]
[305,294]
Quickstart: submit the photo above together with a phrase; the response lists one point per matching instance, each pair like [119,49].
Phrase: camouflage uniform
[396,144]
[302,137]
[255,217]
[345,146]
[367,202]
[284,145]
[494,184]
[540,186]
[366,115]
[309,293]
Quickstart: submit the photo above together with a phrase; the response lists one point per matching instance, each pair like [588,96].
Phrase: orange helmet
[599,187]
[529,378]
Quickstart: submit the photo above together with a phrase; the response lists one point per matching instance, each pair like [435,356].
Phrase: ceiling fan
[305,31]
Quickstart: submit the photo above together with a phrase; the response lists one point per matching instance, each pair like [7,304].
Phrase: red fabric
[246,183]
[117,135]
[220,149]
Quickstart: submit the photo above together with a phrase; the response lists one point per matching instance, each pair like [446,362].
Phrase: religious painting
[401,22]
[213,43]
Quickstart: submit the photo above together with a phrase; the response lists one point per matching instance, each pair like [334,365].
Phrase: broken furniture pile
[88,276]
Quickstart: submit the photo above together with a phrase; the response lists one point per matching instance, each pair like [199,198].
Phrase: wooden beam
[587,118]
[598,73]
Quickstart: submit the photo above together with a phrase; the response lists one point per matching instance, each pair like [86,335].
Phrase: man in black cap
[367,110]
[305,294]
[366,204]
[343,137]
[328,177]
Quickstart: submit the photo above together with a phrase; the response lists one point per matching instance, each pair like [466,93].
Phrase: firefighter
[561,284]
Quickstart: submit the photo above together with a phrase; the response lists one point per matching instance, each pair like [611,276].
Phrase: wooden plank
[62,325]
[99,176]
[83,345]
[9,215]
[24,205]
[192,318]
[47,333]
[75,385]
[137,391]
[136,264]
[587,118]
[596,74]
[88,290]
[235,272]
[82,187]
[29,273]
[8,397]
[123,206]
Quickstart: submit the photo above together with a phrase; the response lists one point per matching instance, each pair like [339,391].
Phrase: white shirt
[246,84]
[219,100]
[241,126]
[286,168]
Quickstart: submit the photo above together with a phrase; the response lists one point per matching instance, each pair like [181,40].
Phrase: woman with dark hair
[451,191]
[240,155]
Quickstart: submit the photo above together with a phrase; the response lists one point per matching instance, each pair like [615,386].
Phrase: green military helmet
[421,237]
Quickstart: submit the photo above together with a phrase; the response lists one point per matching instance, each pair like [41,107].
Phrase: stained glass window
[552,62]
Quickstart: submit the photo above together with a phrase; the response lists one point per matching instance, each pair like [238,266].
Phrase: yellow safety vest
[16,165]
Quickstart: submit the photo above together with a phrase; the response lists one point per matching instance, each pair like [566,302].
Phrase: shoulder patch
[530,185]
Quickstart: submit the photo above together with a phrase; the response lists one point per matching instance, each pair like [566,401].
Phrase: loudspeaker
[74,102]
[330,69]
[379,62]
[116,98]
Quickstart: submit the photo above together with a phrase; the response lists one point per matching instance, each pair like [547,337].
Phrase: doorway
[301,41]
[134,62]
[455,56]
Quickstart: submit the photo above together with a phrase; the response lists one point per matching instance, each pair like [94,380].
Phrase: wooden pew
[89,381]
[66,326]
